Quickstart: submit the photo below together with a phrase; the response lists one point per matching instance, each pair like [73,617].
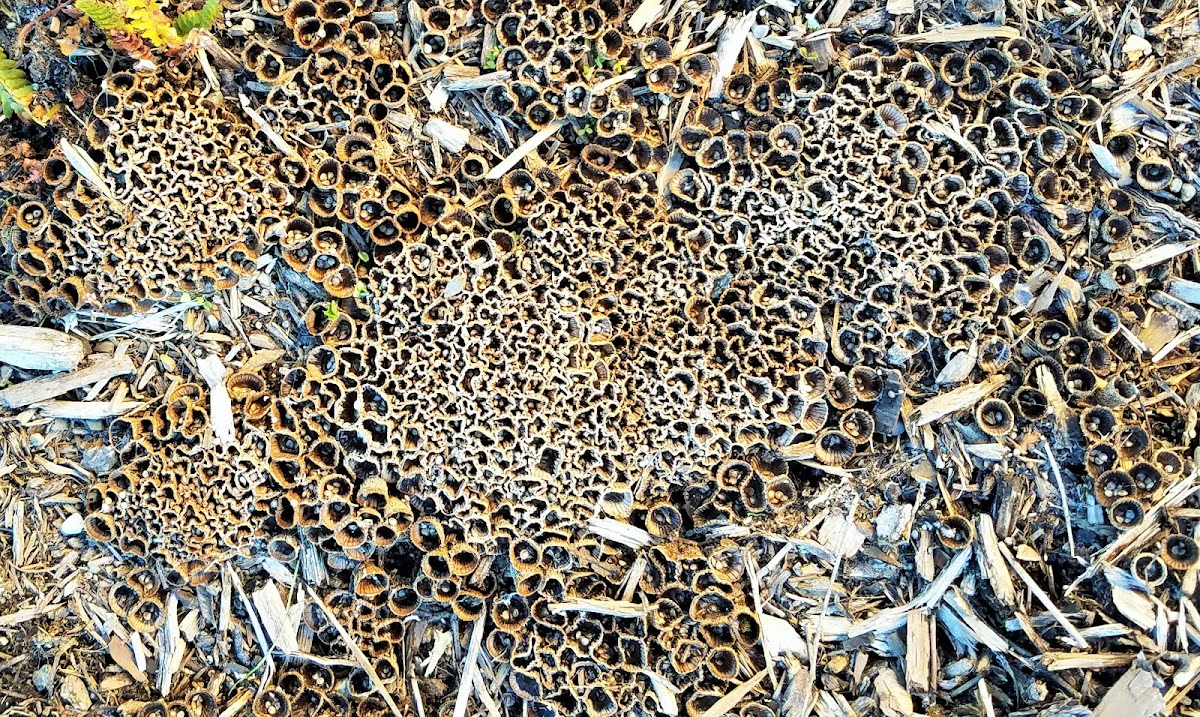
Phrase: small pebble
[75,693]
[99,460]
[73,525]
[43,678]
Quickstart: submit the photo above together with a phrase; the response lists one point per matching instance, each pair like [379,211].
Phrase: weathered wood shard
[49,387]
[39,349]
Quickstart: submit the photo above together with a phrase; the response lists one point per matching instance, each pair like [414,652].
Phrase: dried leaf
[122,654]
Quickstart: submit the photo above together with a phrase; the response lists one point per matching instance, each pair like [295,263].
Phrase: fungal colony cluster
[674,327]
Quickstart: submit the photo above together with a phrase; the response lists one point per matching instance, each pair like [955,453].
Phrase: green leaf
[332,312]
[201,19]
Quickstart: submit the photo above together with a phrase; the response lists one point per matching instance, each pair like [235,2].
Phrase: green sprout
[204,302]
[332,312]
[489,59]
[361,291]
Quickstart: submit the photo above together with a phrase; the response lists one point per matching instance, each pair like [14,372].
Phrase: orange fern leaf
[130,44]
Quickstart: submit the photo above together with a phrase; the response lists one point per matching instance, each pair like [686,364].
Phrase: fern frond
[16,91]
[104,16]
[201,19]
[147,19]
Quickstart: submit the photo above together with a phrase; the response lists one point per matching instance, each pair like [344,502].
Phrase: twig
[48,387]
[87,410]
[1076,639]
[27,27]
[470,669]
[1062,494]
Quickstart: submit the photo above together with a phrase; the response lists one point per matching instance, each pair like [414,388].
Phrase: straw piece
[963,33]
[469,670]
[361,658]
[526,147]
[731,700]
[613,608]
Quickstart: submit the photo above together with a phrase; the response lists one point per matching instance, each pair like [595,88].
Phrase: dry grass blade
[526,147]
[644,15]
[623,533]
[357,652]
[1047,602]
[668,703]
[171,647]
[1062,493]
[614,81]
[1159,254]
[613,608]
[963,33]
[480,82]
[276,621]
[729,48]
[469,670]
[734,696]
